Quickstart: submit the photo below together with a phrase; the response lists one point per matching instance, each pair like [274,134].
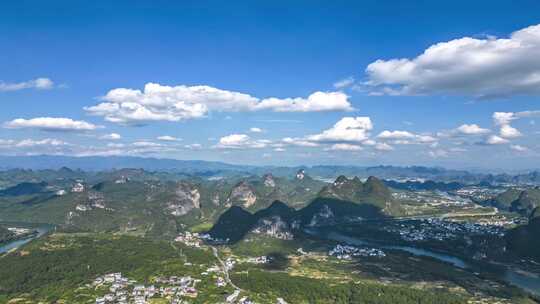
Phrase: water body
[526,281]
[41,230]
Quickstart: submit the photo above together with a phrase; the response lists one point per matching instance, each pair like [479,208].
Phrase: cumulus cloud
[483,68]
[383,147]
[316,102]
[508,131]
[38,83]
[405,137]
[472,129]
[395,135]
[503,120]
[345,147]
[168,138]
[348,129]
[300,142]
[112,136]
[519,148]
[241,141]
[496,140]
[255,130]
[166,103]
[50,124]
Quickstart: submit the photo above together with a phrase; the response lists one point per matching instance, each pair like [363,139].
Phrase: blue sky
[322,81]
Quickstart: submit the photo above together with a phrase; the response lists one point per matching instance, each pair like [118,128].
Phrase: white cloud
[482,68]
[348,129]
[345,147]
[42,142]
[508,131]
[316,102]
[112,136]
[168,138]
[425,139]
[405,137]
[38,83]
[193,146]
[255,130]
[145,144]
[51,124]
[395,135]
[115,145]
[343,83]
[165,103]
[519,148]
[472,129]
[300,142]
[383,147]
[496,140]
[503,119]
[439,153]
[241,141]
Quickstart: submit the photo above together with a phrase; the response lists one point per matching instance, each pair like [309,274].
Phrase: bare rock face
[269,181]
[323,216]
[275,227]
[216,199]
[300,174]
[244,194]
[187,198]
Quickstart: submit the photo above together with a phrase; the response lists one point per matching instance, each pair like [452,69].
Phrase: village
[346,252]
[443,229]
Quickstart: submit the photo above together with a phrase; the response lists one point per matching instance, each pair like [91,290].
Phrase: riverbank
[511,276]
[38,230]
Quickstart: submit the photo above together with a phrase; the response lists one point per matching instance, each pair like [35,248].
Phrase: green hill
[236,222]
[527,201]
[516,200]
[233,225]
[372,192]
[25,189]
[524,240]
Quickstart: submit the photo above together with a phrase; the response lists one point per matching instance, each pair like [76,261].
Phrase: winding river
[41,230]
[527,281]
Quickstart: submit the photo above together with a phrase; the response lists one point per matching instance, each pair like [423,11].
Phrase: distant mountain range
[212,169]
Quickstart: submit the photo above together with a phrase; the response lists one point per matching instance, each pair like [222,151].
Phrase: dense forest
[307,290]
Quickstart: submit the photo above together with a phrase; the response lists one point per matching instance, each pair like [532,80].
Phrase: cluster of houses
[96,200]
[440,229]
[78,187]
[189,239]
[478,193]
[19,231]
[346,252]
[258,260]
[122,290]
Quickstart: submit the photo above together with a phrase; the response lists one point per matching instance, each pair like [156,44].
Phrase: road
[225,270]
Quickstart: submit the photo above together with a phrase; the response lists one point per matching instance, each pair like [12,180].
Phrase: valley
[131,236]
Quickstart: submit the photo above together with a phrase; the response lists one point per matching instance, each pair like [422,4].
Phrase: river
[527,281]
[41,230]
